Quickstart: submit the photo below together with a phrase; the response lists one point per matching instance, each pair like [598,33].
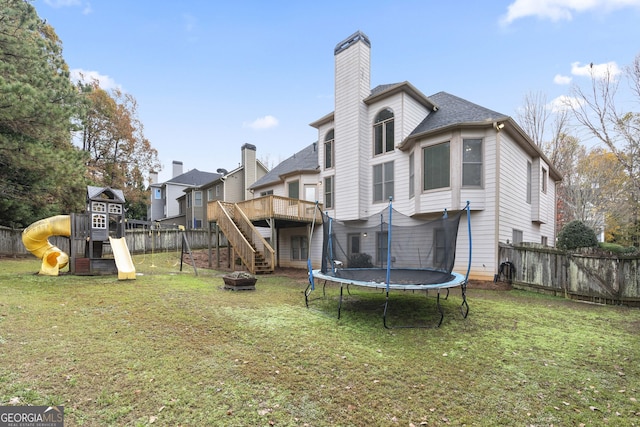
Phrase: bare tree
[598,109]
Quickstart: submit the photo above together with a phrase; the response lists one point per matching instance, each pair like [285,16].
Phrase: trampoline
[406,255]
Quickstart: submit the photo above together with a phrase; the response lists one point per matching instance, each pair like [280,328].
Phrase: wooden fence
[586,275]
[138,241]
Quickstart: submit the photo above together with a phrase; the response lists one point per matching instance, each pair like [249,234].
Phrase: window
[210,194]
[328,150]
[472,162]
[294,189]
[382,244]
[383,132]
[299,247]
[528,182]
[544,241]
[382,182]
[354,243]
[266,193]
[544,180]
[328,192]
[188,197]
[436,166]
[517,236]
[412,176]
[440,247]
[158,193]
[198,196]
[218,190]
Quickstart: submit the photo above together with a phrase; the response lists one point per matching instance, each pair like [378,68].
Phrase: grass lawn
[173,349]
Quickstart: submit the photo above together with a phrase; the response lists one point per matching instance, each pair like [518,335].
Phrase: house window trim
[385,182]
[424,168]
[384,123]
[329,142]
[297,250]
[481,163]
[329,192]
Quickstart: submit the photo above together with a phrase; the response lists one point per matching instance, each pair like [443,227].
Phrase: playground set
[89,234]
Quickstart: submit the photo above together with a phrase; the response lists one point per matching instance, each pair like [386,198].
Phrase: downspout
[496,237]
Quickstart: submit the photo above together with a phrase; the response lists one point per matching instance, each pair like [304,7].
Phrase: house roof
[305,160]
[453,110]
[194,178]
[382,91]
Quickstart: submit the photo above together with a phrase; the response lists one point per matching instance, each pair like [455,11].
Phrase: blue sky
[210,75]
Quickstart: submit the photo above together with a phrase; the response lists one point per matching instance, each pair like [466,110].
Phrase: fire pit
[239,281]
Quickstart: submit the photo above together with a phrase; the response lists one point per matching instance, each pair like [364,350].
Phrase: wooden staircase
[249,245]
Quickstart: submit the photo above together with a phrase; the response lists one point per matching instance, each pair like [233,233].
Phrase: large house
[183,199]
[164,206]
[426,153]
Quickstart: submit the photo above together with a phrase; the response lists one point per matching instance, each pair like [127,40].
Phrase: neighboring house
[427,154]
[165,207]
[230,186]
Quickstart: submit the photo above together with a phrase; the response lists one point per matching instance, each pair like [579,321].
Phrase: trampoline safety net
[409,252]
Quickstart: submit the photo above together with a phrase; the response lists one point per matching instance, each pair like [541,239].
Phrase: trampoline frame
[457,280]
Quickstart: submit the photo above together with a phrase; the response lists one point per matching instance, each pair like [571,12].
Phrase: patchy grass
[174,349]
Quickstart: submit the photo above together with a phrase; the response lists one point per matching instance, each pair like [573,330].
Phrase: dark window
[382,244]
[294,189]
[412,176]
[328,192]
[383,132]
[436,166]
[299,247]
[328,150]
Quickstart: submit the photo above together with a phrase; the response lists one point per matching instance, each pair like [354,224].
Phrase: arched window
[328,150]
[383,132]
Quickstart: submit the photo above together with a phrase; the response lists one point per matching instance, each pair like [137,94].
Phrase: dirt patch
[201,259]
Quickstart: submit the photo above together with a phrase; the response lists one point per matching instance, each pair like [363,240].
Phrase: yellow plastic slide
[124,263]
[36,240]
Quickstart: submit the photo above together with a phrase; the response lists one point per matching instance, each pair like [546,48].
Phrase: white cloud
[266,122]
[557,10]
[564,102]
[559,79]
[610,69]
[105,82]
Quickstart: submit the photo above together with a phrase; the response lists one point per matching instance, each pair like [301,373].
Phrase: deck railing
[280,208]
[240,244]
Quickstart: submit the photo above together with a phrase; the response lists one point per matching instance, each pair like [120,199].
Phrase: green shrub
[361,260]
[576,235]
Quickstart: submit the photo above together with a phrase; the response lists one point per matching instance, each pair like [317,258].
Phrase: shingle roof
[94,192]
[195,177]
[305,160]
[454,111]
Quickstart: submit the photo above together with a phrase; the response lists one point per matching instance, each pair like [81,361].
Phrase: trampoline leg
[439,309]
[340,302]
[464,307]
[384,313]
[307,291]
[447,296]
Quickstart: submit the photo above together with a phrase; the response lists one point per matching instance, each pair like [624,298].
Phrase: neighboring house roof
[305,160]
[195,178]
